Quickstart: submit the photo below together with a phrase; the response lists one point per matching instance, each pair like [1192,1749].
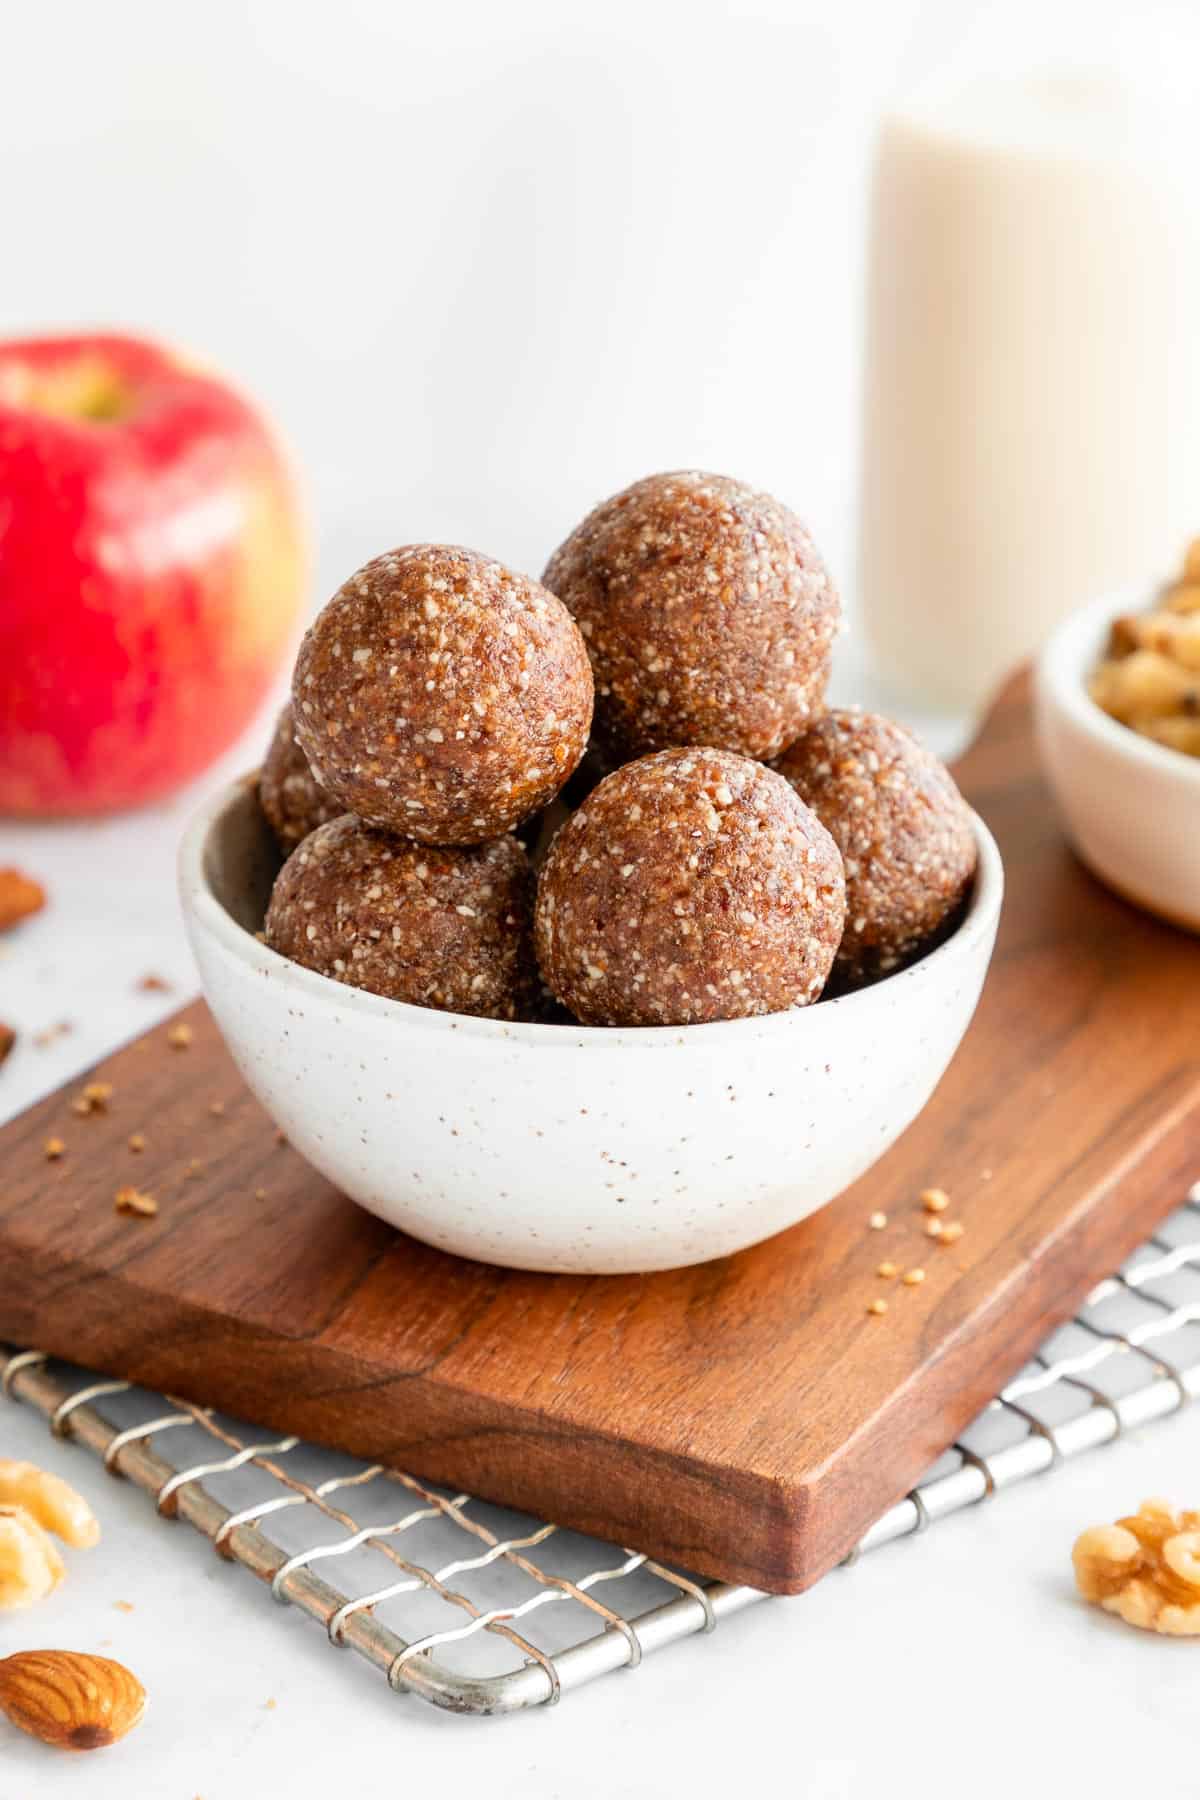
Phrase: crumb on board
[216,1108]
[136,1140]
[94,1098]
[935,1200]
[952,1232]
[132,1200]
[179,1035]
[878,1221]
[195,1167]
[913,1277]
[54,1148]
[888,1270]
[933,1228]
[877,1307]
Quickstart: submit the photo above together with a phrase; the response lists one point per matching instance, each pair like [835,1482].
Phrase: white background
[486,263]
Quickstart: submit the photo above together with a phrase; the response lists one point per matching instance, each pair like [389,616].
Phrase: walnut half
[34,1503]
[51,1501]
[1145,1568]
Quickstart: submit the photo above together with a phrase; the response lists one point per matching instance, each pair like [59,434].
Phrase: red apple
[152,562]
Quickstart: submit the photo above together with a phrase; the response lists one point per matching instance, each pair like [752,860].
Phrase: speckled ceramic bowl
[567,1147]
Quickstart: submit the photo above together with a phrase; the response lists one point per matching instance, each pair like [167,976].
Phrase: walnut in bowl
[1129,801]
[1149,678]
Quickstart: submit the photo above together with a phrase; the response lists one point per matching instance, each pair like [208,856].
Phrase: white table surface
[959,1663]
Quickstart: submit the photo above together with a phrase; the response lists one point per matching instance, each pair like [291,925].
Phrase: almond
[70,1700]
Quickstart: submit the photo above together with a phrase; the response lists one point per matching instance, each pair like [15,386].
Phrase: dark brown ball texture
[902,827]
[708,613]
[442,696]
[444,928]
[293,800]
[691,885]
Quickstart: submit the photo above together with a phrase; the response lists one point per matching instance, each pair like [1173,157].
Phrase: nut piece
[70,1700]
[1145,1568]
[1150,678]
[51,1501]
[20,897]
[30,1566]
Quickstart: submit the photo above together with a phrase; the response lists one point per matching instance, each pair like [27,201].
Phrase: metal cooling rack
[480,1610]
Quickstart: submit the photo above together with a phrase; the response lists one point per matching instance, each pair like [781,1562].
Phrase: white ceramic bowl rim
[208,911]
[1069,656]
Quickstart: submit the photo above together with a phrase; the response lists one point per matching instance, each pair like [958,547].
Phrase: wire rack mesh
[482,1610]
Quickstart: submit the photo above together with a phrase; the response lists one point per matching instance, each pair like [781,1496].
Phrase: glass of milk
[1032,417]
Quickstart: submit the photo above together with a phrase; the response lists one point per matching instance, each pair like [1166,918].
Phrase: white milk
[1032,421]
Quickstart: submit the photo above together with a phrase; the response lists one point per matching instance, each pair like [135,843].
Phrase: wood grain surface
[747,1419]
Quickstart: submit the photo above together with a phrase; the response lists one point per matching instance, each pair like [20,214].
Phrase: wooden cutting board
[747,1419]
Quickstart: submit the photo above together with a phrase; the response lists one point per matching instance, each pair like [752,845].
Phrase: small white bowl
[556,1147]
[1131,807]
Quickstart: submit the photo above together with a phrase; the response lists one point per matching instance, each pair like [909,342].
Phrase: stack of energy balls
[726,847]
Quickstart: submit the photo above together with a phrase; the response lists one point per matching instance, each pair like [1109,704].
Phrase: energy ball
[442,696]
[708,613]
[445,928]
[903,830]
[690,885]
[291,797]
